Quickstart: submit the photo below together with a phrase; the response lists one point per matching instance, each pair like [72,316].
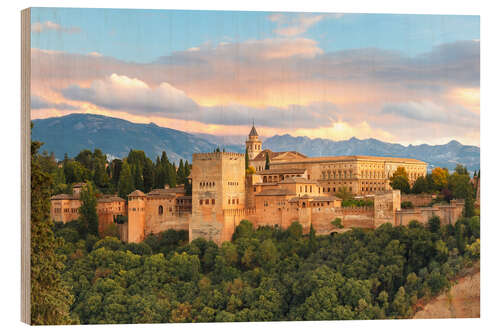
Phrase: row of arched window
[337,175]
[160,210]
[234,201]
[207,201]
[207,184]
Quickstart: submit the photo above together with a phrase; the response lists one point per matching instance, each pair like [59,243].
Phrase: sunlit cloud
[290,25]
[287,85]
[39,27]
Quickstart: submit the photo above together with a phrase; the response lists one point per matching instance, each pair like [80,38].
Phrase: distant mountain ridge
[447,155]
[72,133]
[115,137]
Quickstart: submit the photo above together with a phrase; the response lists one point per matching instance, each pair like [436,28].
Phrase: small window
[213,201]
[160,210]
[201,202]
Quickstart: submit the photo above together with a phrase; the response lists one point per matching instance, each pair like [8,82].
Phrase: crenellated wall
[448,214]
[418,200]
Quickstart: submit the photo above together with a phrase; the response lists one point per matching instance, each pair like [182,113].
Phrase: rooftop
[166,192]
[253,132]
[352,158]
[278,154]
[63,196]
[273,192]
[298,180]
[137,193]
[110,198]
[281,171]
[314,198]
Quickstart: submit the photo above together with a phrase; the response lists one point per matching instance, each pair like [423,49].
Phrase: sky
[407,79]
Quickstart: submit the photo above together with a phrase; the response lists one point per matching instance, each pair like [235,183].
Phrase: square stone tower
[218,181]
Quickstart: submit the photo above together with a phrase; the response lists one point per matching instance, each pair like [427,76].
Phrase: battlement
[239,212]
[355,210]
[217,156]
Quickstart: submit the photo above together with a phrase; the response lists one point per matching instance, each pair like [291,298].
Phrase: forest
[264,274]
[121,176]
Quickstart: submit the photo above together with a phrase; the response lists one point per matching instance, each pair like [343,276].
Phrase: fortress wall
[351,217]
[207,227]
[386,205]
[179,221]
[64,210]
[105,220]
[418,200]
[448,214]
[225,174]
[123,232]
[106,211]
[136,219]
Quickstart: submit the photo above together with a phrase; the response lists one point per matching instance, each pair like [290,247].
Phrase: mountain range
[116,137]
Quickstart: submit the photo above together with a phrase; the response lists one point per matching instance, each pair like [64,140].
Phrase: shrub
[407,205]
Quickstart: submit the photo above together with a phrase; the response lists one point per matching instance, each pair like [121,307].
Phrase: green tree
[420,186]
[440,178]
[148,176]
[461,170]
[268,161]
[434,224]
[247,161]
[115,169]
[344,194]
[126,182]
[399,180]
[50,296]
[88,222]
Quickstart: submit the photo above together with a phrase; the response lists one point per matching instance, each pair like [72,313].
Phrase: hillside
[448,155]
[115,137]
[461,301]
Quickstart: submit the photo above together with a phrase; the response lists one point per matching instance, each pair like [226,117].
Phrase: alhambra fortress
[294,188]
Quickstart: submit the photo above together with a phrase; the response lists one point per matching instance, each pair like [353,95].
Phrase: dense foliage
[50,296]
[265,274]
[122,176]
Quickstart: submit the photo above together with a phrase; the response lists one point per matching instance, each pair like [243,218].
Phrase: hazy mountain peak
[115,137]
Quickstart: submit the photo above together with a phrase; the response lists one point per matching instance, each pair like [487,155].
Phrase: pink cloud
[49,25]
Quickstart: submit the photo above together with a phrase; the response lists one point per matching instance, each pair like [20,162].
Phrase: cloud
[249,52]
[289,82]
[49,25]
[38,102]
[290,25]
[121,92]
[427,111]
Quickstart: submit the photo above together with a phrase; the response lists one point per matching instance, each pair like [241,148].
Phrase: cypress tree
[148,176]
[268,162]
[247,161]
[50,297]
[88,222]
[126,182]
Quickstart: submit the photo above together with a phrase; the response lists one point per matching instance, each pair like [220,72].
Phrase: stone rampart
[448,214]
[418,200]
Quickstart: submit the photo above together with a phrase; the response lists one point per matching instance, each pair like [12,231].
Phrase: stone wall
[448,214]
[65,210]
[218,181]
[386,205]
[418,200]
[136,219]
[351,217]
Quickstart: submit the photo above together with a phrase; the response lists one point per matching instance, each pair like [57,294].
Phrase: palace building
[294,188]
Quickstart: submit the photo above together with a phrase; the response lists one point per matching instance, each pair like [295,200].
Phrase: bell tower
[253,144]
